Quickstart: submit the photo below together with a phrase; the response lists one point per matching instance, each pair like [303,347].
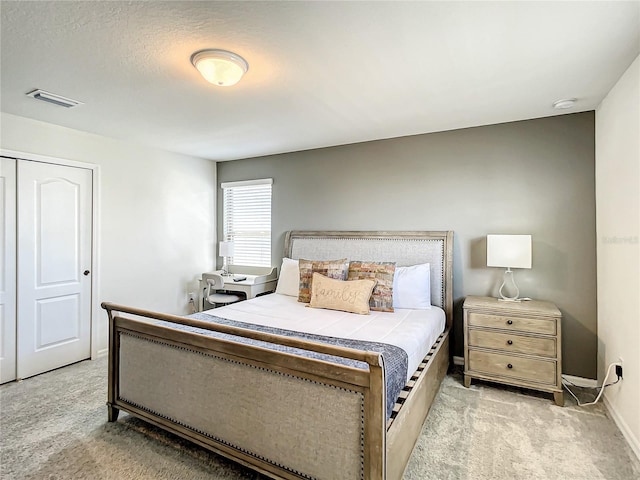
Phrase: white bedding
[414,331]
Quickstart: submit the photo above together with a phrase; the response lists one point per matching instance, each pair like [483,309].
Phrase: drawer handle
[509,322]
[509,342]
[509,365]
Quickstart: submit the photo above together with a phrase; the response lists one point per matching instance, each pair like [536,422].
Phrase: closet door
[7,269]
[54,258]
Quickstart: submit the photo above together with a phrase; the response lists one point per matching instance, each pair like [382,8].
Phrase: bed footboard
[284,415]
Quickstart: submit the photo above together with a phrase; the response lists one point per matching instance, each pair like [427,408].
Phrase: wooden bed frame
[281,414]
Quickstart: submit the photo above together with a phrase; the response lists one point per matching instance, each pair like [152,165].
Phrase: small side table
[515,343]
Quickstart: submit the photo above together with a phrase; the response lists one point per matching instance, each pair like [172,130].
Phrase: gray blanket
[395,360]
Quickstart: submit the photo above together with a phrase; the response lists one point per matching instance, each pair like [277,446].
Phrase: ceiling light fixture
[564,104]
[220,67]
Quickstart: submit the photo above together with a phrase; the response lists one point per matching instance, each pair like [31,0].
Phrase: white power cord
[604,384]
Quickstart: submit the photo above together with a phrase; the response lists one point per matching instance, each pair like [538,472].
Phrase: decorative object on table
[509,251]
[225,250]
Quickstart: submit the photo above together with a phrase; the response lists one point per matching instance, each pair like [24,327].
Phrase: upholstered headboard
[404,248]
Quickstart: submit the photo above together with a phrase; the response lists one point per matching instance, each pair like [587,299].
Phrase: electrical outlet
[619,367]
[192,297]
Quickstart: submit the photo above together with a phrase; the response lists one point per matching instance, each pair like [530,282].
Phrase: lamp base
[225,268]
[516,300]
[503,298]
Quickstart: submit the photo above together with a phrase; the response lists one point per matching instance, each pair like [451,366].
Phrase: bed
[282,405]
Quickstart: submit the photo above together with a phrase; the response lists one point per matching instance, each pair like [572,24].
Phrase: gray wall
[531,177]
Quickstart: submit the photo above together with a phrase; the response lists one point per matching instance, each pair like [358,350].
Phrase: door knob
[86,272]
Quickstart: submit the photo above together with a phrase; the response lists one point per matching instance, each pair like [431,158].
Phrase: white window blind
[247,221]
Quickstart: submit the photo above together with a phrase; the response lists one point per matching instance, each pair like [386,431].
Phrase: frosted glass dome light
[220,67]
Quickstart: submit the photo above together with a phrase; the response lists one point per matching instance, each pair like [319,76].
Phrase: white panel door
[7,269]
[54,259]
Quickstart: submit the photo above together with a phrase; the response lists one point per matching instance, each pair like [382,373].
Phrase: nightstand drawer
[544,326]
[509,342]
[530,369]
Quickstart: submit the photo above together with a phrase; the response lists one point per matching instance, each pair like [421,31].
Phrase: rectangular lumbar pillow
[331,268]
[383,272]
[347,296]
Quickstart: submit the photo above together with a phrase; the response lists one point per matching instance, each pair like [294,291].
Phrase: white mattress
[414,331]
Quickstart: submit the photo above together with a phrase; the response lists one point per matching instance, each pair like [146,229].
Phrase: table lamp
[225,250]
[509,251]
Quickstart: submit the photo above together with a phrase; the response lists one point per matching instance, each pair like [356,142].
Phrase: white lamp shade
[509,251]
[225,249]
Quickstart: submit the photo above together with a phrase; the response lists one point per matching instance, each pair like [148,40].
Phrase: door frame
[95,233]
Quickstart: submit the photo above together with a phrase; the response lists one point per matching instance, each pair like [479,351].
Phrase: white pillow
[289,280]
[412,287]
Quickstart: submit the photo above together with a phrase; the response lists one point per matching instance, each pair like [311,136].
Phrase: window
[247,221]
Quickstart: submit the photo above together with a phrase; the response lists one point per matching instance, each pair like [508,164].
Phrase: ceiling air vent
[53,98]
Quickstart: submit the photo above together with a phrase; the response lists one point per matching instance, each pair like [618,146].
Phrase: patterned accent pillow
[383,272]
[337,269]
[346,296]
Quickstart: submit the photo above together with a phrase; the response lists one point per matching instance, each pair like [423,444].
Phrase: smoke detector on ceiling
[54,98]
[565,103]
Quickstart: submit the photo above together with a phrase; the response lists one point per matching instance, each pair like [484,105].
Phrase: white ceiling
[320,73]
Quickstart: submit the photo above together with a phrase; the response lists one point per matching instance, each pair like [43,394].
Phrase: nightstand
[515,343]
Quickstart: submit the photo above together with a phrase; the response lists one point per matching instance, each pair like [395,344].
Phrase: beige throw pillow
[347,296]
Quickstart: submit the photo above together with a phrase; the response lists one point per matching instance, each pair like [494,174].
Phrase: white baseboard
[458,360]
[581,381]
[633,442]
[101,353]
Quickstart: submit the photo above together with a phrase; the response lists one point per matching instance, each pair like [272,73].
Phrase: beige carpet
[54,426]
